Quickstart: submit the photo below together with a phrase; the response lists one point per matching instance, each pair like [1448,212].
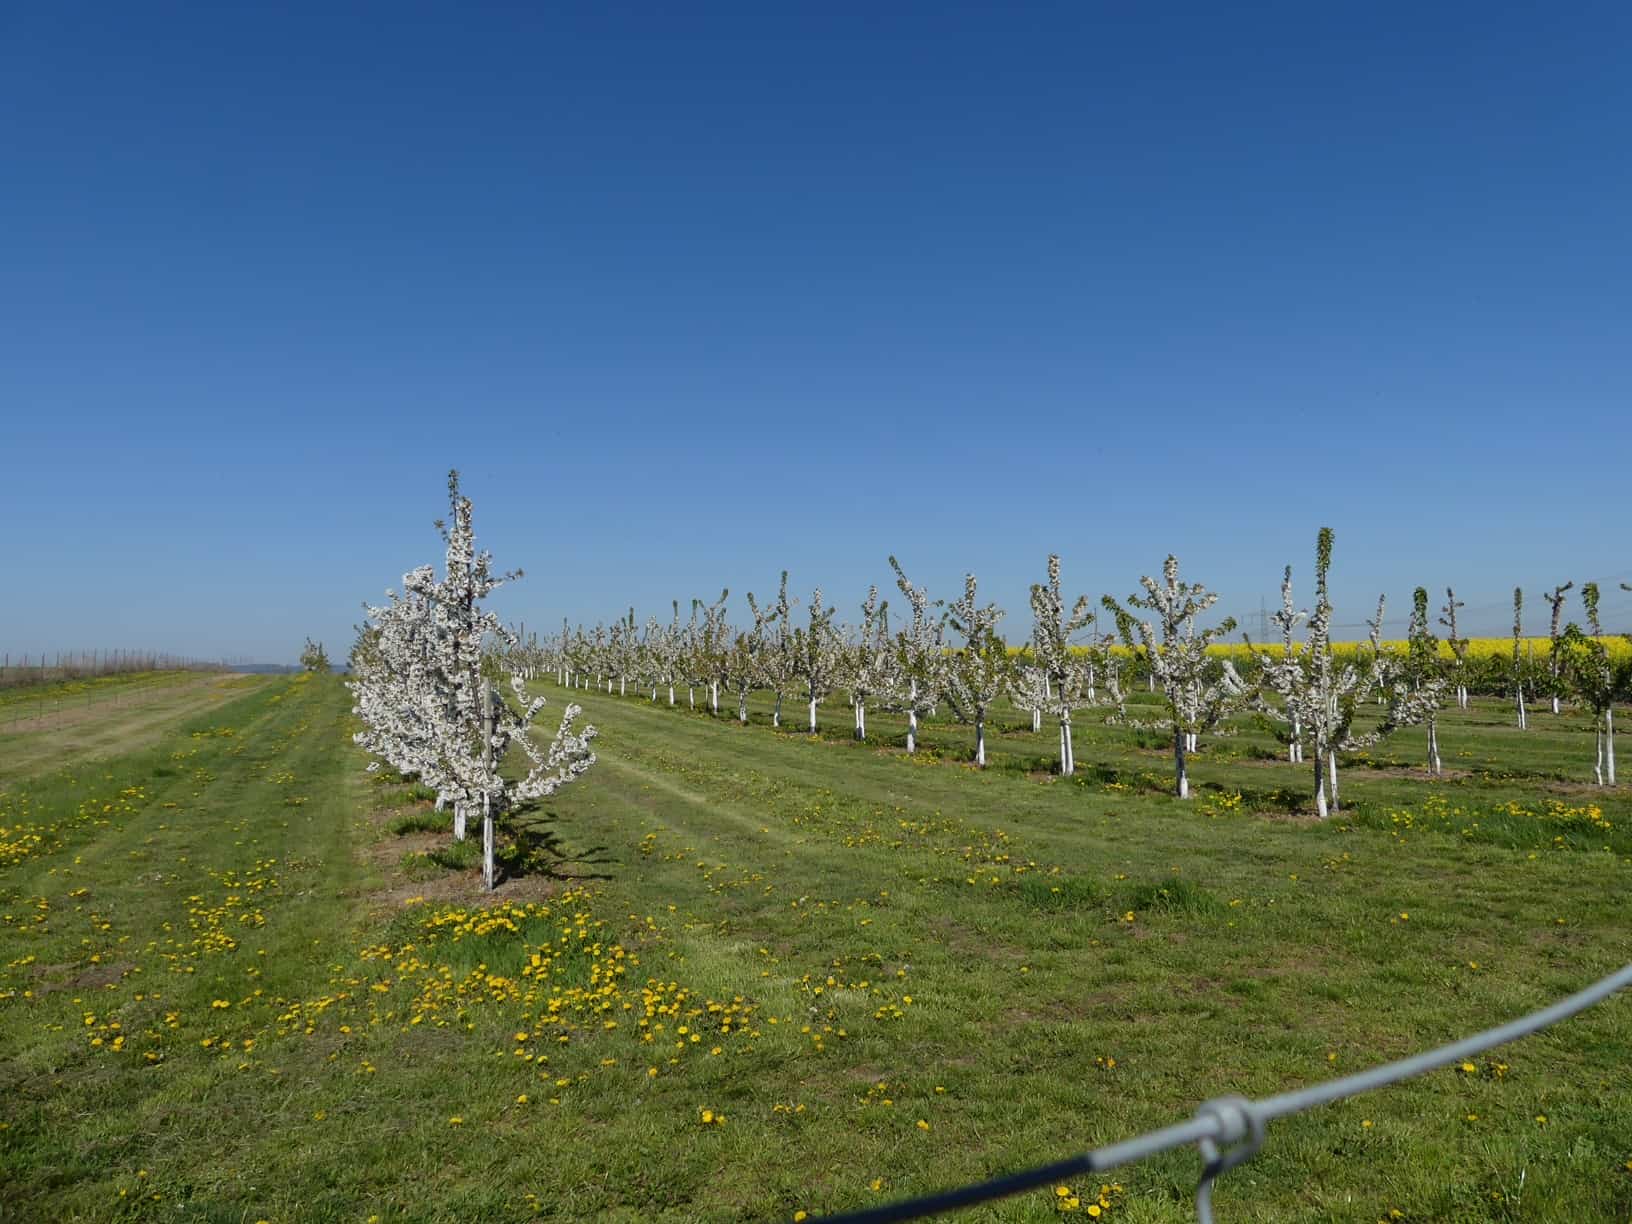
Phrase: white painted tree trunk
[1331,770]
[1523,722]
[1609,743]
[742,706]
[714,696]
[1180,771]
[1036,718]
[776,713]
[671,694]
[813,716]
[1068,760]
[861,720]
[912,716]
[1433,746]
[458,821]
[1320,785]
[621,683]
[1555,705]
[980,740]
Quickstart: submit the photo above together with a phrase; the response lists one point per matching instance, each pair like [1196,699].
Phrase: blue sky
[693,296]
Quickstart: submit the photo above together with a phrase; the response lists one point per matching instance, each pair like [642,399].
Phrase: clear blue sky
[691,295]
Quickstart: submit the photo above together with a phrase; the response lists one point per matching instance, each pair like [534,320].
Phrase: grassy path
[117,721]
[210,870]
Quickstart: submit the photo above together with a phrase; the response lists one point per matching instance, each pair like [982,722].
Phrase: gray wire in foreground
[1235,1122]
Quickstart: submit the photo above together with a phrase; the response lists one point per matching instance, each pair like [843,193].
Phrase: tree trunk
[1068,762]
[742,706]
[714,696]
[671,692]
[861,720]
[691,696]
[1036,719]
[1523,725]
[621,683]
[488,870]
[1433,746]
[1331,770]
[813,716]
[776,714]
[1180,773]
[980,740]
[458,820]
[1320,785]
[1609,743]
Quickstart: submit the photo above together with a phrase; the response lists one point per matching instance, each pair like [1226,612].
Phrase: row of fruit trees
[426,667]
[951,654]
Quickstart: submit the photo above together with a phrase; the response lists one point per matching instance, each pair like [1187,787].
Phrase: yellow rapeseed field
[1479,649]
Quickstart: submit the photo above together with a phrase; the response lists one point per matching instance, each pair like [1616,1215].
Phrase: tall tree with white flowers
[1321,694]
[1423,681]
[778,662]
[977,672]
[872,658]
[427,706]
[1282,674]
[1065,671]
[1458,645]
[1591,675]
[745,660]
[1555,632]
[713,646]
[1199,690]
[920,657]
[818,651]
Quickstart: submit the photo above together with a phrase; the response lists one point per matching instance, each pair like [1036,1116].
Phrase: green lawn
[888,974]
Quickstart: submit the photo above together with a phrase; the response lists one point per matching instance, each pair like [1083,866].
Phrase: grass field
[240,979]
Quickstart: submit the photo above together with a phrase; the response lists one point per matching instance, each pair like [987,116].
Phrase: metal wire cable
[1231,1130]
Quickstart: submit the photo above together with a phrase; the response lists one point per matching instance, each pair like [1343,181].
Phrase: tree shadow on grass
[535,848]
